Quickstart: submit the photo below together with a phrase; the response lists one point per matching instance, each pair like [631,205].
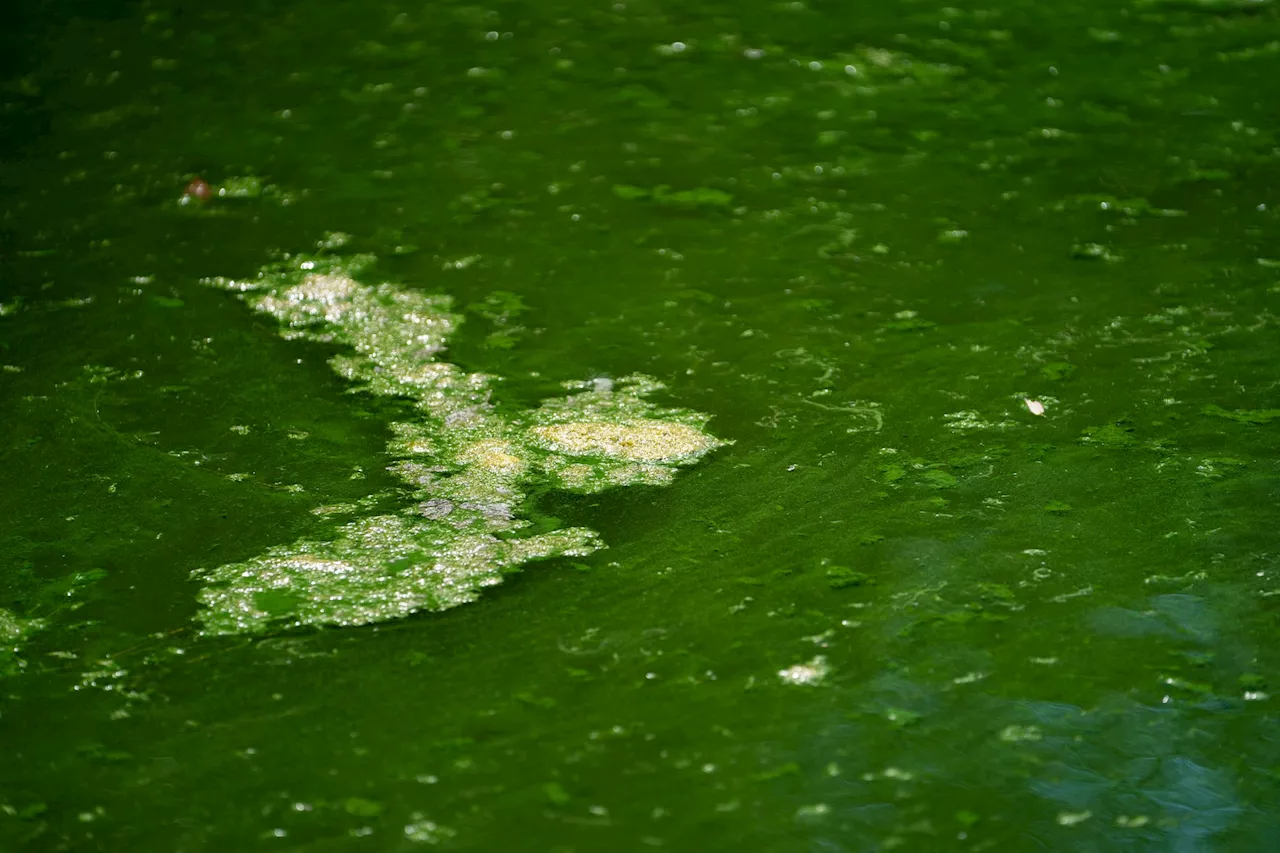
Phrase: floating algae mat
[466,467]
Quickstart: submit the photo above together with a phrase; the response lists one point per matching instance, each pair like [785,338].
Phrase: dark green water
[860,238]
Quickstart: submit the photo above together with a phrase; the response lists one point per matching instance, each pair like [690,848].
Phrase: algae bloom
[638,442]
[465,468]
[14,631]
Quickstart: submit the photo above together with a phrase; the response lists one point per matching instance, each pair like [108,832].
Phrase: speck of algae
[13,634]
[466,468]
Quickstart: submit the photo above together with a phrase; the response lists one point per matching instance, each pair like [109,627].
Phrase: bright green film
[574,427]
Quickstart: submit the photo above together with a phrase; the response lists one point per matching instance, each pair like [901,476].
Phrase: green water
[900,610]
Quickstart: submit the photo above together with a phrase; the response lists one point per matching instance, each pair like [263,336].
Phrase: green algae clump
[465,469]
[1257,417]
[14,631]
[644,442]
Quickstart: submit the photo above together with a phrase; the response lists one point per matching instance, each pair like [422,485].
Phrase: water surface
[982,297]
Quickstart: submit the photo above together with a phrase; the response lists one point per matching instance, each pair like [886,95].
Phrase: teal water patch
[467,468]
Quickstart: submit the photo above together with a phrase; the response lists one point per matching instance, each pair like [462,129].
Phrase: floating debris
[1073,818]
[813,812]
[811,673]
[424,831]
[1257,417]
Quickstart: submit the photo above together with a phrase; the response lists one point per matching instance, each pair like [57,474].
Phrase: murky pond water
[582,426]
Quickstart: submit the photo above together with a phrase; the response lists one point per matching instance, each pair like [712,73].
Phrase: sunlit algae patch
[465,466]
[13,633]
